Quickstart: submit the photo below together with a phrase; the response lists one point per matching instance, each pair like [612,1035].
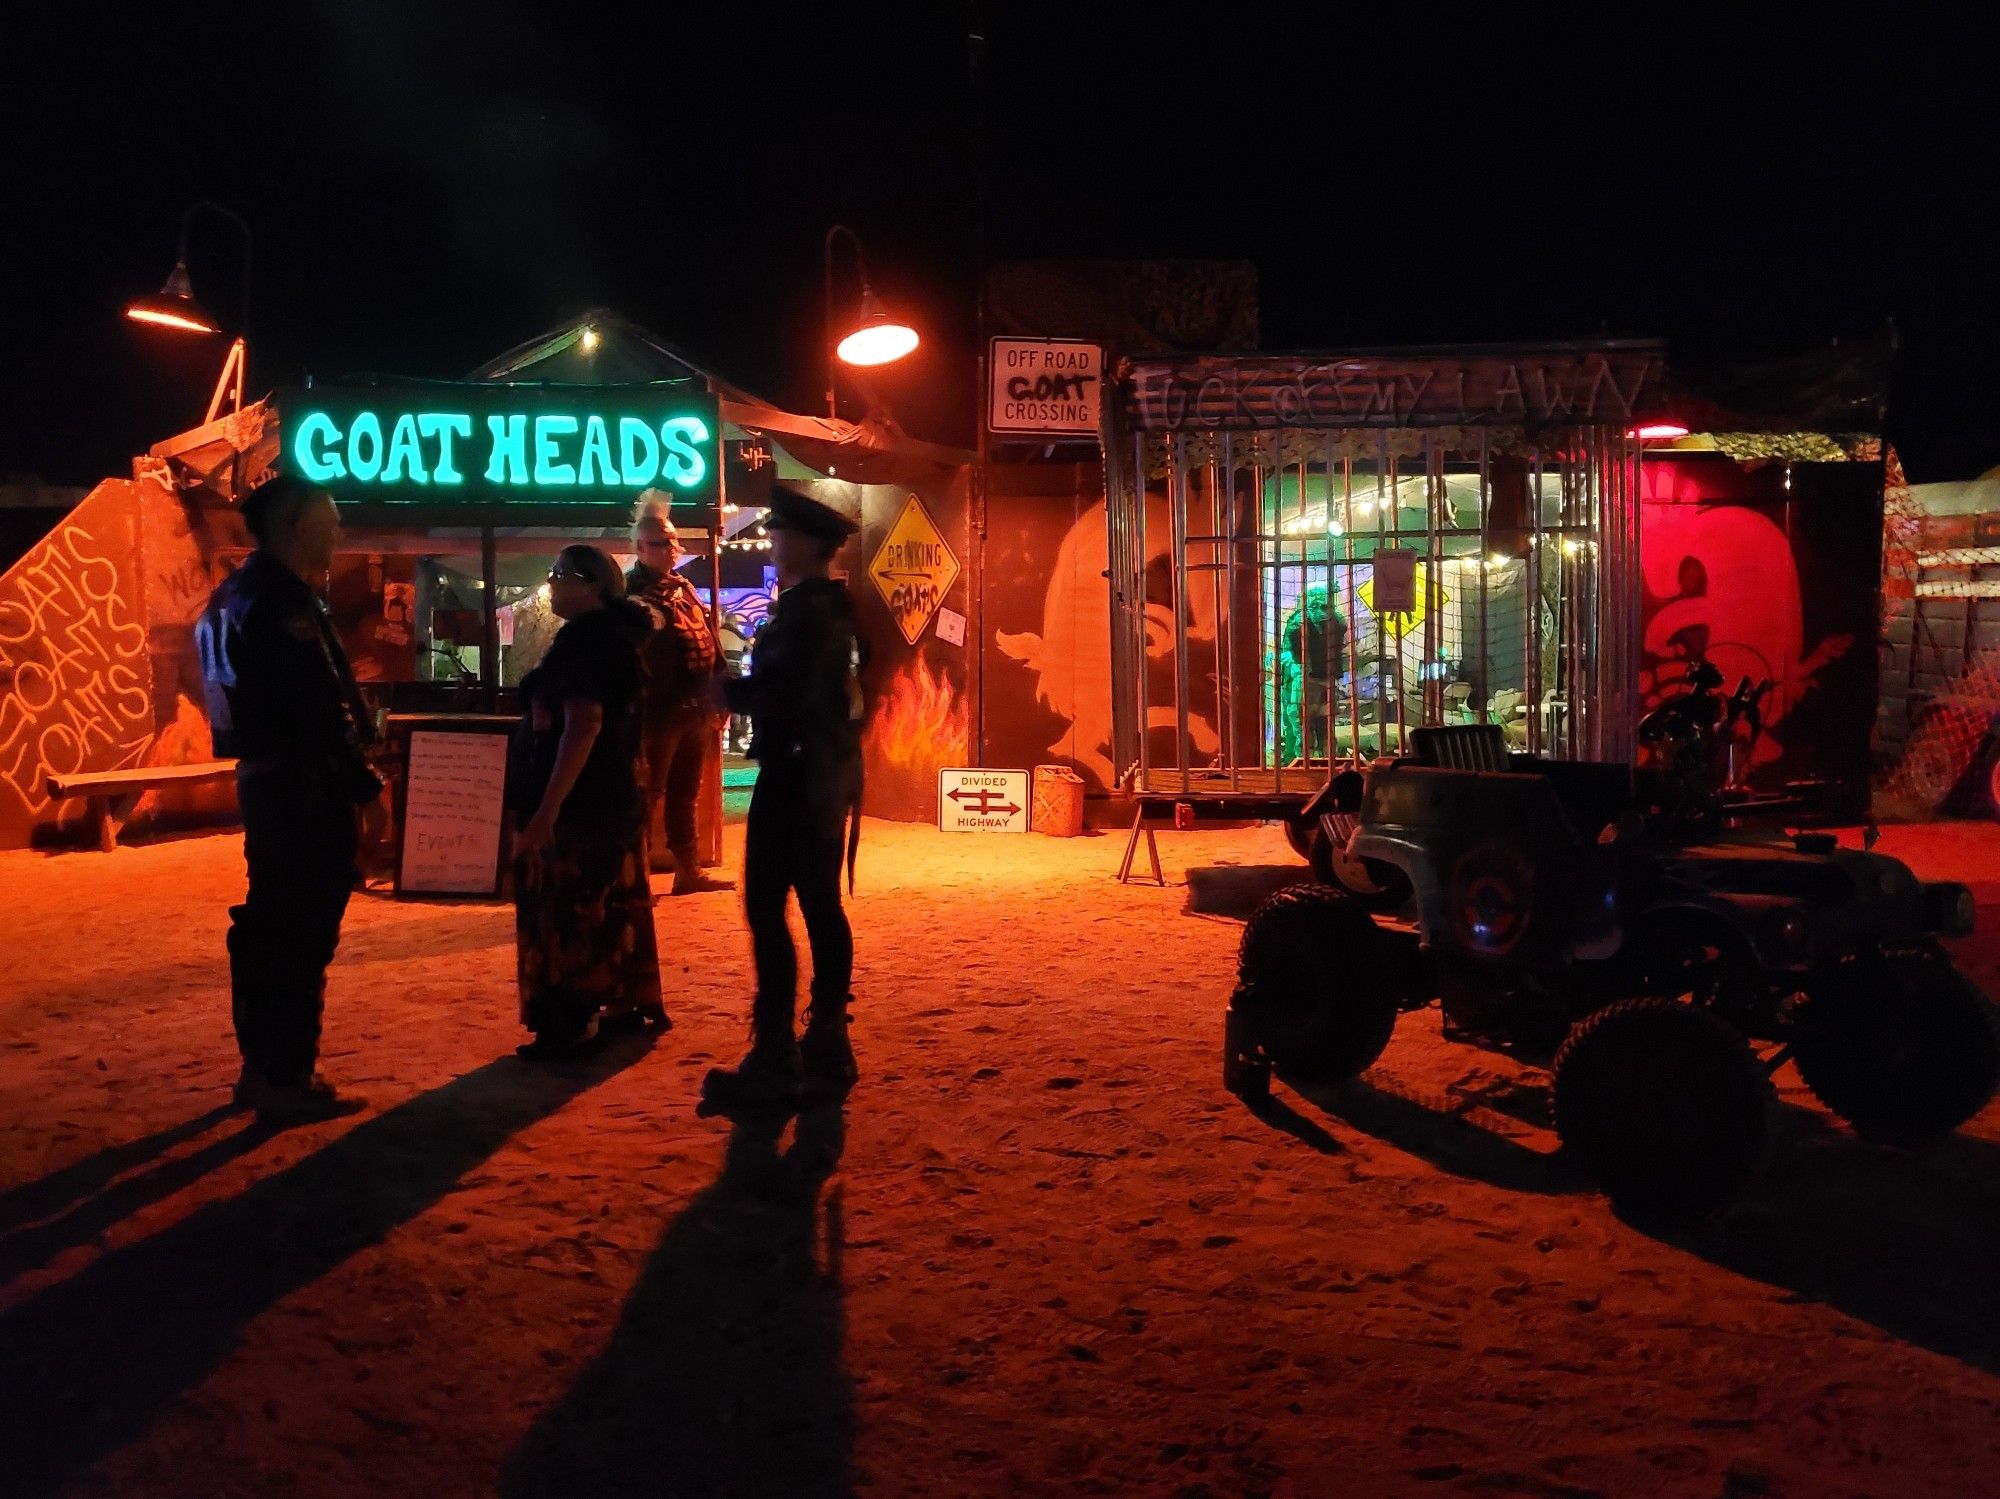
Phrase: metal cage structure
[1260,502]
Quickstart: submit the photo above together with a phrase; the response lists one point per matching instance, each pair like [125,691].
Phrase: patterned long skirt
[583,928]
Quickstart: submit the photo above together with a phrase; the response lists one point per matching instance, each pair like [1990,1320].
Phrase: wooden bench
[115,793]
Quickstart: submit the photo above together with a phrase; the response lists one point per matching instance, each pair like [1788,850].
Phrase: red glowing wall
[1770,572]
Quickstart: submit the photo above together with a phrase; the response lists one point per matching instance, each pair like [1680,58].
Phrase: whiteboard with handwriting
[453,803]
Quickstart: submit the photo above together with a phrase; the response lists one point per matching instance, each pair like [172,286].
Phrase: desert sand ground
[1040,1251]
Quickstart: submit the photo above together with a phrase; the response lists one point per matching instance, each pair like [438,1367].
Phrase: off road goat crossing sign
[983,801]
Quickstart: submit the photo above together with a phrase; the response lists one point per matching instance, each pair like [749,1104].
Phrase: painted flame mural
[916,727]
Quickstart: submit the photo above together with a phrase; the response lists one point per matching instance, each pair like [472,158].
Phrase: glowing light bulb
[589,341]
[168,320]
[878,343]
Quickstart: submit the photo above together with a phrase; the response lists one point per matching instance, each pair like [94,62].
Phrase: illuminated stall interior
[1260,504]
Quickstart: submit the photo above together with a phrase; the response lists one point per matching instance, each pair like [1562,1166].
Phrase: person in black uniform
[803,697]
[282,700]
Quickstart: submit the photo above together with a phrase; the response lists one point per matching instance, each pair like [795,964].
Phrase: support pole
[489,620]
[708,822]
[975,55]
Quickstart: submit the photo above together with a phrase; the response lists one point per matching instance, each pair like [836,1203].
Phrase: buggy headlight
[1948,908]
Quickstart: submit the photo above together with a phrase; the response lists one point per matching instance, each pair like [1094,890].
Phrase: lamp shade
[877,338]
[174,306]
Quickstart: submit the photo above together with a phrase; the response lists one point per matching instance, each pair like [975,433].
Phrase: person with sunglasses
[681,654]
[583,903]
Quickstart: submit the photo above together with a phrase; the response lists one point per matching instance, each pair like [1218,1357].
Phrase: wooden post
[489,625]
[708,815]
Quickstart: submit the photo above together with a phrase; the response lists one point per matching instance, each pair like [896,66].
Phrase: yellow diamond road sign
[913,569]
[1405,621]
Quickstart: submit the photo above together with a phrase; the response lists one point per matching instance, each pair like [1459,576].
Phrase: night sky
[432,184]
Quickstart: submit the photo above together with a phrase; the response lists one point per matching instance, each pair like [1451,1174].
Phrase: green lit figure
[1312,654]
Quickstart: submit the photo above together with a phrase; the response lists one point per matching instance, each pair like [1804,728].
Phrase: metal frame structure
[1263,477]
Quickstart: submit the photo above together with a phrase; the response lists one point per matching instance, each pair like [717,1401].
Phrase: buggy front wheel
[1904,1051]
[1663,1104]
[1318,990]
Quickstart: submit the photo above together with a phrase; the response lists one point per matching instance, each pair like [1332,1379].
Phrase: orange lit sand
[1056,1258]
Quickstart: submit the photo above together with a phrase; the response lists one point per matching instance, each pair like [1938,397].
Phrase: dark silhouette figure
[725,1375]
[282,700]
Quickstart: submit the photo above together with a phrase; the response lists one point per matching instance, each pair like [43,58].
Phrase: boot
[825,1049]
[771,1075]
[689,878]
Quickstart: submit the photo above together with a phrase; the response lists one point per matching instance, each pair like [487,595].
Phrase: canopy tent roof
[875,451]
[622,353]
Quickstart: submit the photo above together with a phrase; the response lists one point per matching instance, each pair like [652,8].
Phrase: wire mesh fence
[1940,662]
[1302,600]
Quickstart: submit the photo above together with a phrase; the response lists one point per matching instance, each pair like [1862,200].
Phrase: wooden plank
[112,781]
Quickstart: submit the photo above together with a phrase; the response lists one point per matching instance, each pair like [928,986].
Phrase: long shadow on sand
[1900,1239]
[80,1179]
[724,1375]
[1445,1139]
[91,1361]
[36,1245]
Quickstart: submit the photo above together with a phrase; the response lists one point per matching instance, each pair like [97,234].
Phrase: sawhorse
[1184,809]
[1141,823]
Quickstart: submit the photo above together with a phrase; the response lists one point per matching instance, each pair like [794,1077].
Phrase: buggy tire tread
[1603,1052]
[1316,984]
[1965,1035]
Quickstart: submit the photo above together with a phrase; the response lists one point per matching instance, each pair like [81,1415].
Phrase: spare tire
[1319,991]
[1904,1051]
[1663,1104]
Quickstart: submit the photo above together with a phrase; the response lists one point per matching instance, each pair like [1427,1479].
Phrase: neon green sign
[494,443]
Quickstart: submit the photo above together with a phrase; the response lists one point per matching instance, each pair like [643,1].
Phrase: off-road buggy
[1636,926]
